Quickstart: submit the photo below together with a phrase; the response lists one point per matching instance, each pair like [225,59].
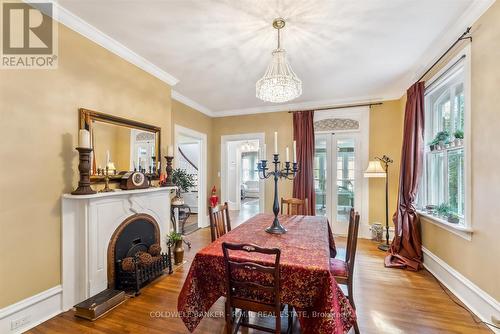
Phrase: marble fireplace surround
[88,223]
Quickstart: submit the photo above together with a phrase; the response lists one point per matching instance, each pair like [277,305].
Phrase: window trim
[464,230]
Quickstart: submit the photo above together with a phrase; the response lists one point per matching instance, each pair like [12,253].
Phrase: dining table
[306,282]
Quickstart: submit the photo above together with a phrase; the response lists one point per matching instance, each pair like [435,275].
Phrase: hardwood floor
[388,301]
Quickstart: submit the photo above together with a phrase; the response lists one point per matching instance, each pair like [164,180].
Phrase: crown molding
[193,104]
[87,30]
[436,49]
[309,105]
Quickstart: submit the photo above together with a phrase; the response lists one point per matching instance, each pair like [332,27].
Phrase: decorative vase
[214,200]
[178,252]
[177,200]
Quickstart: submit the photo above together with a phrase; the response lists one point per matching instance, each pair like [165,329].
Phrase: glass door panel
[320,174]
[337,177]
[346,178]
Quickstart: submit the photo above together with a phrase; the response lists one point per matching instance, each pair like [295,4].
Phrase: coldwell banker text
[29,36]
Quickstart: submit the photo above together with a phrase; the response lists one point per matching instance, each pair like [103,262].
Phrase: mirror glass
[122,148]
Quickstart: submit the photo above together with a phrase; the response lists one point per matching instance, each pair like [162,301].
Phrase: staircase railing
[187,159]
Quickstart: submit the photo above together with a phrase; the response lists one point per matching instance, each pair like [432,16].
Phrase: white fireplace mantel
[88,222]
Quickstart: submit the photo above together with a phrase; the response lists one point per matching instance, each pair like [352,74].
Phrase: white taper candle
[275,142]
[287,155]
[84,138]
[294,151]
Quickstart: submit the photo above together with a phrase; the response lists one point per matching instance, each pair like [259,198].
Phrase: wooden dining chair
[244,293]
[220,223]
[343,270]
[294,206]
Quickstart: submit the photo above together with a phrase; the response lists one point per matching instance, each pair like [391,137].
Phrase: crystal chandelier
[279,83]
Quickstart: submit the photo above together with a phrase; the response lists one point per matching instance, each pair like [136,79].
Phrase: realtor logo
[29,36]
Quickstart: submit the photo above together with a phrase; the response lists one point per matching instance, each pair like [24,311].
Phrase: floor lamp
[380,168]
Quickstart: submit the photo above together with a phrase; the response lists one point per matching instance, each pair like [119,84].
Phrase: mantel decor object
[84,169]
[287,173]
[106,189]
[169,169]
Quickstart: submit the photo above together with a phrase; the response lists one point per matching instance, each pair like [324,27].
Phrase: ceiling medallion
[279,83]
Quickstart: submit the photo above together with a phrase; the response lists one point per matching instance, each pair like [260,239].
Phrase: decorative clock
[134,180]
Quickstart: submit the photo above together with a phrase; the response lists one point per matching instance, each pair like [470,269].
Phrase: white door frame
[202,168]
[261,137]
[362,115]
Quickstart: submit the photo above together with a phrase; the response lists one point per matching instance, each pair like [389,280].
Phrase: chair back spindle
[220,222]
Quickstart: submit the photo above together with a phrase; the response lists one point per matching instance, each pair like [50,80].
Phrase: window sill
[460,230]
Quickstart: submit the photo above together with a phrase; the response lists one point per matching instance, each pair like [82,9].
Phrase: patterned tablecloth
[306,281]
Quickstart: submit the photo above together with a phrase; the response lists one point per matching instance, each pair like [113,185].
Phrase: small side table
[180,214]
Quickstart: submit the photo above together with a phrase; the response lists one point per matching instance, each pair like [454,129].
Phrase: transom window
[443,191]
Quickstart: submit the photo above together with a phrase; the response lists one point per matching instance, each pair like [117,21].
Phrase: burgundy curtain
[406,248]
[303,133]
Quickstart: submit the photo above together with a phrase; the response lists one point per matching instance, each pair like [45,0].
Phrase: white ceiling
[343,50]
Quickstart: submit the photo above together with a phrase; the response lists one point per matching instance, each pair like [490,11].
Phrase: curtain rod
[342,107]
[448,70]
[461,38]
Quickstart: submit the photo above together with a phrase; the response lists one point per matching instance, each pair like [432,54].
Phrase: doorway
[341,153]
[241,186]
[190,154]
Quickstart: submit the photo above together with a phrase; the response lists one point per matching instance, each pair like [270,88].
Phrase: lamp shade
[375,169]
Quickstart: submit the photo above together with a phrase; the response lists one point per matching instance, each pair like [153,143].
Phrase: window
[443,189]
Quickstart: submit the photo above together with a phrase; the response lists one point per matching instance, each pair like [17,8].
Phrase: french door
[337,177]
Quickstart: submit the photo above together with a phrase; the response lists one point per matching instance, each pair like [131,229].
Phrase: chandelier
[279,83]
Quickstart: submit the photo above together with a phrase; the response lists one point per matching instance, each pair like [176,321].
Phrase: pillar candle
[287,155]
[275,142]
[84,138]
[170,151]
[294,151]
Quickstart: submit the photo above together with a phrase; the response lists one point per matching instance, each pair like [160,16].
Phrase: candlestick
[84,138]
[168,181]
[287,154]
[84,169]
[286,173]
[294,151]
[275,142]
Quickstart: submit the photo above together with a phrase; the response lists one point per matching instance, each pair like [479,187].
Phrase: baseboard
[478,301]
[32,311]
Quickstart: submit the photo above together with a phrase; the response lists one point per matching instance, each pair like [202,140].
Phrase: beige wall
[188,117]
[386,135]
[478,260]
[38,131]
[267,123]
[386,126]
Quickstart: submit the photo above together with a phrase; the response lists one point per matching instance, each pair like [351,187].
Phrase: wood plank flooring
[388,301]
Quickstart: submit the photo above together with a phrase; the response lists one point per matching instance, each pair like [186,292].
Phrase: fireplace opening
[135,257]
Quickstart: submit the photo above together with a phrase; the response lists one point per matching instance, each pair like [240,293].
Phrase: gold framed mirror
[121,144]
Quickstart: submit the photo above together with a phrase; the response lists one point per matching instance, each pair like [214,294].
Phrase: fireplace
[134,254]
[92,223]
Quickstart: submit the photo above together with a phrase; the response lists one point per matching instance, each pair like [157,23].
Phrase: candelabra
[288,173]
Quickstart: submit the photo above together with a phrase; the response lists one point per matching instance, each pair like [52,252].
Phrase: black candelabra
[288,173]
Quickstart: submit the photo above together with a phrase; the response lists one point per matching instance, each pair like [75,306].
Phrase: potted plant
[443,210]
[175,240]
[184,181]
[442,138]
[459,137]
[453,218]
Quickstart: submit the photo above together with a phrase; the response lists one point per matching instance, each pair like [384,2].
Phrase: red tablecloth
[306,281]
